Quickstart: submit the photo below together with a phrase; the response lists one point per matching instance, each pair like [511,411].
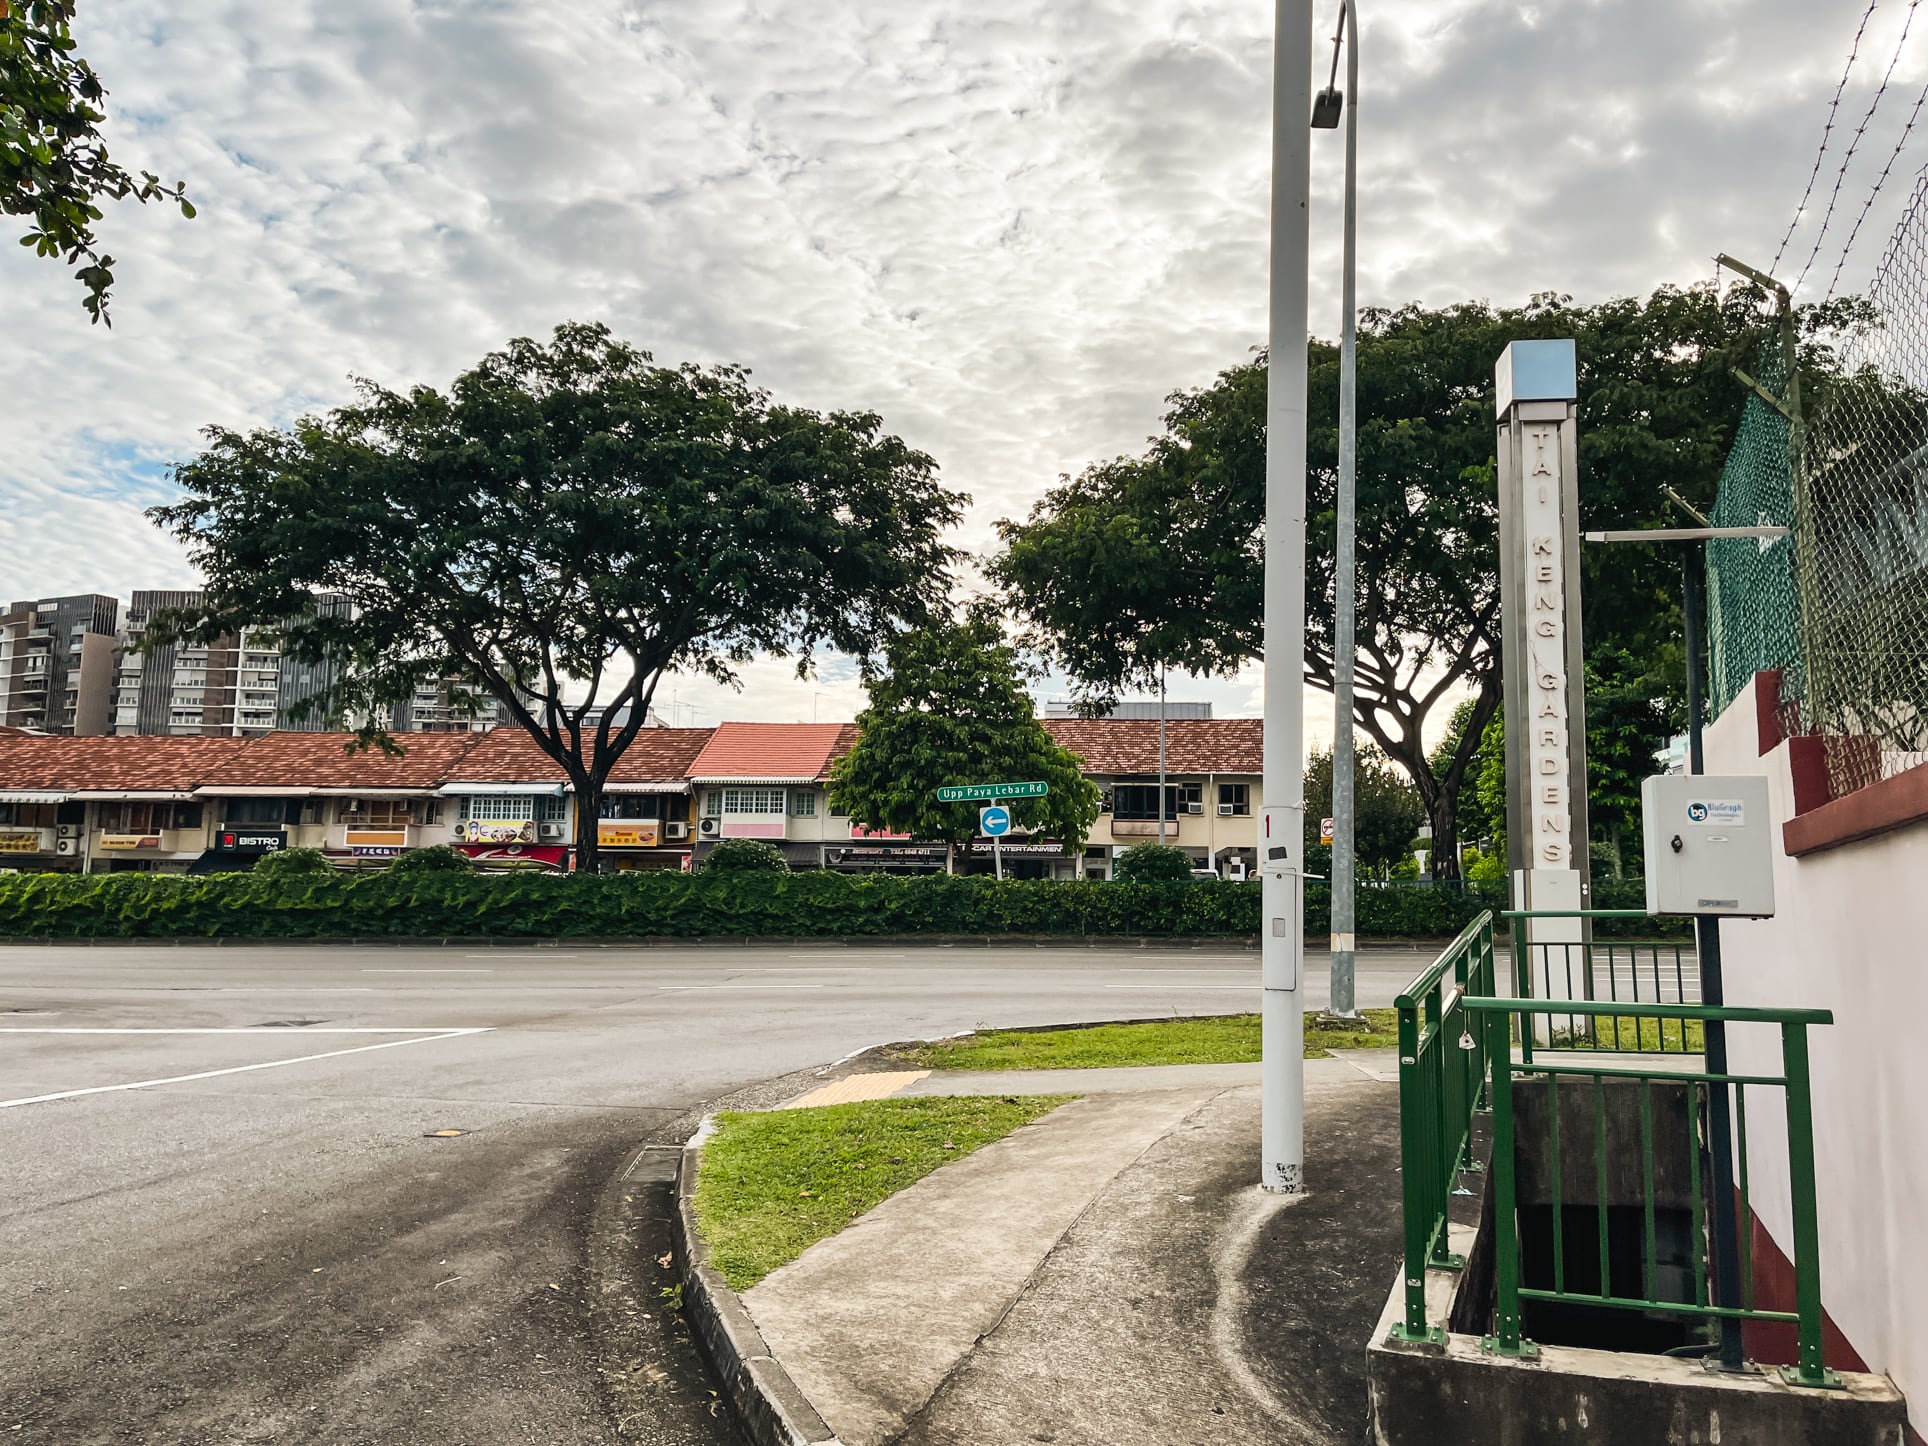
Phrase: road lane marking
[428,971]
[1222,969]
[1220,988]
[686,988]
[420,1038]
[434,1029]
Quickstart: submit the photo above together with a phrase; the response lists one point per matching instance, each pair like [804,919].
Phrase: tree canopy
[949,707]
[1167,544]
[564,525]
[1387,812]
[54,166]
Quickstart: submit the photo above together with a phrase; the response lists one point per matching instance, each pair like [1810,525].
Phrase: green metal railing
[1444,1061]
[1500,1016]
[1614,971]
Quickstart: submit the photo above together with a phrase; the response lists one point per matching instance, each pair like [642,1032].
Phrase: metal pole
[1343,590]
[1282,842]
[1161,753]
[1720,1125]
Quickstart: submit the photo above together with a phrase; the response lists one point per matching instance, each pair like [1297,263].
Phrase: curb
[770,1407]
[646,941]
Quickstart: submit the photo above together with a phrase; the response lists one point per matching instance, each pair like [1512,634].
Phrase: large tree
[54,166]
[949,707]
[1168,544]
[1387,809]
[567,523]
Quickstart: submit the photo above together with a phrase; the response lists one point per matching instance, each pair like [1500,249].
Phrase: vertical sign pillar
[1546,713]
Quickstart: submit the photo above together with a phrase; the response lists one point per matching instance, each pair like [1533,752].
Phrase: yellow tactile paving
[858,1087]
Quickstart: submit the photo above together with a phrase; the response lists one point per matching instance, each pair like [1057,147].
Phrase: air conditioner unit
[67,830]
[710,827]
[548,830]
[1194,808]
[676,832]
[1225,810]
[350,807]
[68,846]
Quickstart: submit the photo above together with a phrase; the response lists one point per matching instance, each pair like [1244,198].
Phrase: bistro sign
[250,841]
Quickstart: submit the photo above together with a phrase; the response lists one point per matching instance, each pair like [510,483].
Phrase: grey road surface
[227,1215]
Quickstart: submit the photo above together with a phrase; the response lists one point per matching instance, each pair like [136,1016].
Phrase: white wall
[1850,934]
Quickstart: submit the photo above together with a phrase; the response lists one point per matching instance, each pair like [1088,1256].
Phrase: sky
[1010,227]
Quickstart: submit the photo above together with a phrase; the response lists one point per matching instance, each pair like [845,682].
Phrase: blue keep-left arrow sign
[995,821]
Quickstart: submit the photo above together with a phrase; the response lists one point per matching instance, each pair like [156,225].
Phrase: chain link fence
[1841,605]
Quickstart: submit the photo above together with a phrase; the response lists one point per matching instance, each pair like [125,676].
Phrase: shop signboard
[496,831]
[391,839]
[516,856]
[130,841]
[27,842]
[250,841]
[628,833]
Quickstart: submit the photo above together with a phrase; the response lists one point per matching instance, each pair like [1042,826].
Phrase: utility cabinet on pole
[1546,757]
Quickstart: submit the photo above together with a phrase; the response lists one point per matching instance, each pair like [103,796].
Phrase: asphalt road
[228,1217]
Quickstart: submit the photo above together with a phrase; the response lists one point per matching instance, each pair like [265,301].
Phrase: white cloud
[1011,228]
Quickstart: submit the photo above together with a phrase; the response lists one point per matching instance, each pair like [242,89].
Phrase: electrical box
[1710,846]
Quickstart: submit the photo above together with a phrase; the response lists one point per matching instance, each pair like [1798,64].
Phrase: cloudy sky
[1011,227]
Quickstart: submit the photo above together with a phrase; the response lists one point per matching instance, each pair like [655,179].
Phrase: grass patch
[1646,1036]
[775,1183]
[1224,1039]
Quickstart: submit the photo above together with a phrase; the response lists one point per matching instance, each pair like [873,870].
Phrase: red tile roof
[1111,746]
[322,760]
[775,751]
[846,740]
[510,755]
[113,765]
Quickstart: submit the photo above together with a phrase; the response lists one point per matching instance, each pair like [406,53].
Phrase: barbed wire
[1854,50]
[1879,181]
[1854,145]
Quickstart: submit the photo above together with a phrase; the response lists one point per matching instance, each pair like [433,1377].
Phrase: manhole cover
[443,1134]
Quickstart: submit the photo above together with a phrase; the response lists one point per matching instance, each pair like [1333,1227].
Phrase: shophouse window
[803,803]
[712,803]
[642,807]
[753,800]
[134,817]
[378,812]
[500,807]
[1136,801]
[263,810]
[1235,799]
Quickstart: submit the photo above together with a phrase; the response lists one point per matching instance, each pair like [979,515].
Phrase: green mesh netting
[1842,606]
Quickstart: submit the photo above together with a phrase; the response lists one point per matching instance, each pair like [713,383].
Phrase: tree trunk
[588,812]
[1444,812]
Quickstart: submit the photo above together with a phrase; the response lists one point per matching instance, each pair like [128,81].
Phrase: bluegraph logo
[1697,812]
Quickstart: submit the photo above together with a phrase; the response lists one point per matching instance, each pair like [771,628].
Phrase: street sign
[994,821]
[978,792]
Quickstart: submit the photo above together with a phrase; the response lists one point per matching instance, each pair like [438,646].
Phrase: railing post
[1810,1369]
[1522,989]
[1506,1339]
[1416,1165]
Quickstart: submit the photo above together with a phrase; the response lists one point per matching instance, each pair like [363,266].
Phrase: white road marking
[1220,988]
[422,1038]
[1222,969]
[841,954]
[435,1029]
[686,988]
[526,954]
[428,971]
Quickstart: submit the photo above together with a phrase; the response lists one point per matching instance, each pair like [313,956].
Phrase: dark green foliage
[728,904]
[563,526]
[949,707]
[438,859]
[285,863]
[1387,810]
[746,856]
[1161,554]
[53,163]
[1152,863]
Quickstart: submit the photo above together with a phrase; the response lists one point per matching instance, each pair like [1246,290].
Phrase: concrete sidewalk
[1109,1275]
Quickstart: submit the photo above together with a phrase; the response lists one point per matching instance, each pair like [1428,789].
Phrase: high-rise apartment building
[57,664]
[234,687]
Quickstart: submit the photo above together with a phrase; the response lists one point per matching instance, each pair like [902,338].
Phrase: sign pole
[997,855]
[1282,842]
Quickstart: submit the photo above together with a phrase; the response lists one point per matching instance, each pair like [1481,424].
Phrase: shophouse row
[199,804]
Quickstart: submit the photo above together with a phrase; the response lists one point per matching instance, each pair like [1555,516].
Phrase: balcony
[1144,828]
[17,841]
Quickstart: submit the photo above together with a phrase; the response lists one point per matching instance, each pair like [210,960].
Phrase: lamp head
[1327,106]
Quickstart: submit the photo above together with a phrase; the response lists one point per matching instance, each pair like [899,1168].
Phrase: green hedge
[440,905]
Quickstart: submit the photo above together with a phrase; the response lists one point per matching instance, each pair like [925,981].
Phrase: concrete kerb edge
[856,943]
[769,1405]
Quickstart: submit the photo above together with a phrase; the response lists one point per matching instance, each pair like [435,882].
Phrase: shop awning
[521,790]
[32,795]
